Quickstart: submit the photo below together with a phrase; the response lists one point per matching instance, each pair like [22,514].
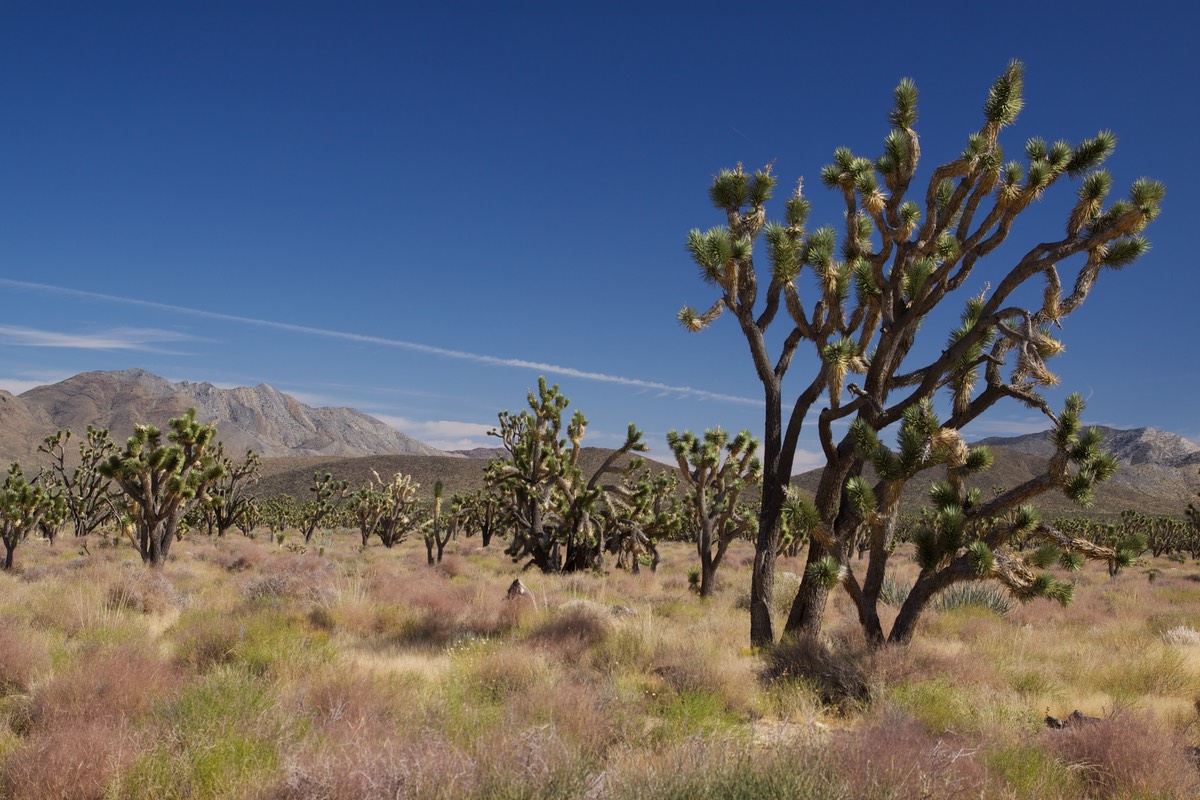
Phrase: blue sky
[416,209]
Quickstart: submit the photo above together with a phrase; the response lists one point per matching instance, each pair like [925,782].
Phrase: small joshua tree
[391,510]
[869,297]
[439,527]
[547,497]
[22,506]
[87,493]
[230,499]
[329,494]
[161,481]
[716,470]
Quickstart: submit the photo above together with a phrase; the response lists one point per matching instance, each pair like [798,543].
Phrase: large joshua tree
[895,261]
[162,481]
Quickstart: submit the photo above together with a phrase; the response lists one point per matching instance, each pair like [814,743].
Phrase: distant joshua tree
[716,470]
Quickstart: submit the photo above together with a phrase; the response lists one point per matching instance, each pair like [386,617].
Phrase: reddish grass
[69,762]
[1127,756]
[572,630]
[305,578]
[894,756]
[23,656]
[374,763]
[143,591]
[236,555]
[117,683]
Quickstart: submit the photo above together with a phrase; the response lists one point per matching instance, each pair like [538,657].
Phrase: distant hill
[259,418]
[294,476]
[1159,473]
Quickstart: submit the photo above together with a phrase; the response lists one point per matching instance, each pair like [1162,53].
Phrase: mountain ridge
[259,418]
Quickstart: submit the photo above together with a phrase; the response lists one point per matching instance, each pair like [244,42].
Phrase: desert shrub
[303,578]
[836,671]
[1127,756]
[894,756]
[80,761]
[24,654]
[203,639]
[236,555]
[454,566]
[121,682]
[142,591]
[501,673]
[572,629]
[703,674]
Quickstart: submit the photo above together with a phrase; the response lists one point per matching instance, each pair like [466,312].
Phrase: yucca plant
[859,297]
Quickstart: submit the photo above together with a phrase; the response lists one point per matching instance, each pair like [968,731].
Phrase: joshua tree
[965,537]
[716,470]
[22,505]
[639,511]
[480,511]
[543,486]
[388,509]
[279,513]
[230,499]
[86,492]
[437,531]
[898,259]
[329,496]
[162,482]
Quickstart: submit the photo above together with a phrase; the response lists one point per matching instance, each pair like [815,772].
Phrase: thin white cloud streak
[494,361]
[139,339]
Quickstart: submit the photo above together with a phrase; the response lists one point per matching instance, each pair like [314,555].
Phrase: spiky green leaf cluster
[1005,100]
[824,572]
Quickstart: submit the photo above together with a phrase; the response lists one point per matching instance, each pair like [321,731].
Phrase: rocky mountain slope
[1158,473]
[260,418]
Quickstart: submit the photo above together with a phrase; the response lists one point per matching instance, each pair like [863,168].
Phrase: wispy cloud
[416,347]
[443,434]
[139,339]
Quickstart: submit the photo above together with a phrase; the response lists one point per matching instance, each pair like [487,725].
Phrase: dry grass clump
[305,578]
[894,756]
[81,761]
[203,639]
[371,765]
[236,554]
[569,631]
[838,671]
[142,591]
[121,682]
[24,655]
[1127,756]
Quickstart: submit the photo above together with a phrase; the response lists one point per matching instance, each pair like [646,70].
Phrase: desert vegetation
[314,655]
[244,668]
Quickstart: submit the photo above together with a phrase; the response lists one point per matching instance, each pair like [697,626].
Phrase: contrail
[416,347]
